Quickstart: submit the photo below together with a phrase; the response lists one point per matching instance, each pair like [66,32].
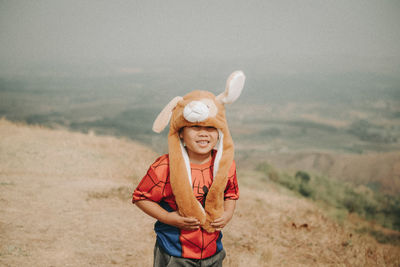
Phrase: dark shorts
[162,259]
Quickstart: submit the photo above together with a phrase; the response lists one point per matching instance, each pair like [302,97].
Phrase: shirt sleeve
[232,187]
[151,187]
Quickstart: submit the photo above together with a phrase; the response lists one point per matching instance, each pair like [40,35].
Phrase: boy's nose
[196,111]
[203,131]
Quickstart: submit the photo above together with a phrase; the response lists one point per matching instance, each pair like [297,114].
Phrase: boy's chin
[205,150]
[200,148]
[203,153]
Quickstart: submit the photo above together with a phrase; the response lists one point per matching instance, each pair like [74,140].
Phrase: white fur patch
[220,150]
[187,163]
[196,111]
[202,209]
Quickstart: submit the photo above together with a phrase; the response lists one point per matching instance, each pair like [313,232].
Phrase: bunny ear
[234,86]
[165,115]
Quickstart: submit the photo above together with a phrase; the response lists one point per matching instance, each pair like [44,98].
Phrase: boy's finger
[191,220]
[218,220]
[216,224]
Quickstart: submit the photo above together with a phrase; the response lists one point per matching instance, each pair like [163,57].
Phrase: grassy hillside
[379,172]
[341,198]
[65,200]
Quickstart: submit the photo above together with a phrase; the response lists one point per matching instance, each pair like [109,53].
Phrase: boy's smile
[203,143]
[199,141]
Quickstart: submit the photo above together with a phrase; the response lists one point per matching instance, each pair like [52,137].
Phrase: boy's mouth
[202,142]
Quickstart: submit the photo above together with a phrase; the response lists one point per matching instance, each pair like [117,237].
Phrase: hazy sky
[289,36]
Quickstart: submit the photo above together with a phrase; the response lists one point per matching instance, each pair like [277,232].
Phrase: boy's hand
[185,223]
[171,218]
[222,221]
[229,208]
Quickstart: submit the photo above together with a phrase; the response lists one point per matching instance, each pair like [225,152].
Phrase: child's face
[199,140]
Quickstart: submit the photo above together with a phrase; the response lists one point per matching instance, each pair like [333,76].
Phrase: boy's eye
[197,127]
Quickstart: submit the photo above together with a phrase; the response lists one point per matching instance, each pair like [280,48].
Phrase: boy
[192,191]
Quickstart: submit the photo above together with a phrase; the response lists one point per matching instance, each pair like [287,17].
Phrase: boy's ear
[163,118]
[233,89]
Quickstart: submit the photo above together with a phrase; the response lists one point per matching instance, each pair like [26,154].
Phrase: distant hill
[65,200]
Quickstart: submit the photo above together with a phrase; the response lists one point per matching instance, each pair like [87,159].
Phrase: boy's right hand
[185,223]
[172,218]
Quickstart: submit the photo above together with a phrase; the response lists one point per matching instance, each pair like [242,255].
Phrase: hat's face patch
[200,110]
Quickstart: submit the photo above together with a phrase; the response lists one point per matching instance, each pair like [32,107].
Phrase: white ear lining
[163,118]
[233,89]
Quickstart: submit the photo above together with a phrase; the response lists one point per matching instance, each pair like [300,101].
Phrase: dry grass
[65,201]
[282,230]
[60,199]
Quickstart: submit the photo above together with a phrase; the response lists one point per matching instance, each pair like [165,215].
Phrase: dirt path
[65,201]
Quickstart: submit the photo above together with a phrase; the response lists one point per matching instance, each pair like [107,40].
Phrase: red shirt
[155,186]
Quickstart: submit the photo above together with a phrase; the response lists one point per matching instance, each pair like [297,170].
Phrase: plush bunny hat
[204,109]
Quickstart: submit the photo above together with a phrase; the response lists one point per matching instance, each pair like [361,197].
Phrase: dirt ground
[65,201]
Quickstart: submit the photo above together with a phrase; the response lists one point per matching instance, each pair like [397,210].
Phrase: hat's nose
[196,111]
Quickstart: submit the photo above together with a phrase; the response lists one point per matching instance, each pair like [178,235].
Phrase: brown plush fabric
[188,205]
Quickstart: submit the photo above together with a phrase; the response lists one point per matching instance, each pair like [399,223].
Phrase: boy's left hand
[222,221]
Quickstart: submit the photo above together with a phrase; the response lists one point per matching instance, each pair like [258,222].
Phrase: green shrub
[382,209]
[306,190]
[305,177]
